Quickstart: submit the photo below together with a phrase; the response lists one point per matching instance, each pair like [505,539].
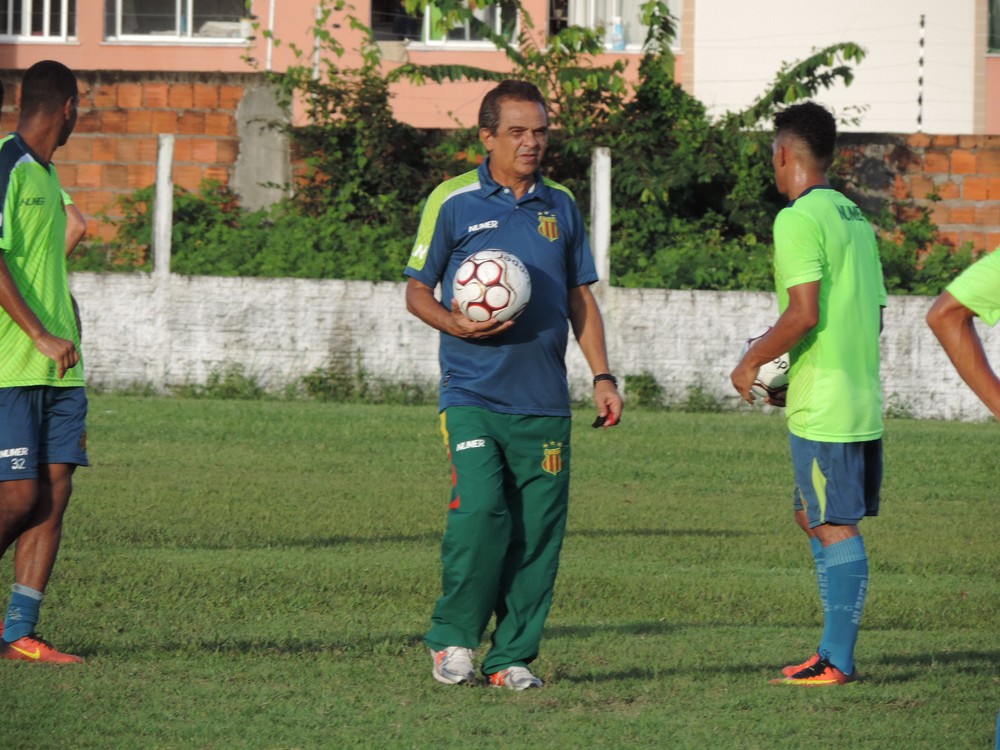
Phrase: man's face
[516,149]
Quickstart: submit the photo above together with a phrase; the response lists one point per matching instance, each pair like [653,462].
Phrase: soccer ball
[491,284]
[772,378]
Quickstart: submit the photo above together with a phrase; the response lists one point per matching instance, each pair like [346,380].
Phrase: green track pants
[506,522]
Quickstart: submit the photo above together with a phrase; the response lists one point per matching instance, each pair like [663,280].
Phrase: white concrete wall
[167,332]
[739,47]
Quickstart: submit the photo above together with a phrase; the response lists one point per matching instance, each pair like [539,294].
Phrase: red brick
[920,186]
[988,163]
[188,176]
[104,149]
[936,161]
[129,95]
[114,176]
[900,189]
[88,175]
[183,149]
[219,174]
[155,95]
[949,191]
[140,175]
[103,231]
[217,123]
[975,189]
[76,150]
[206,96]
[95,201]
[963,214]
[105,95]
[969,141]
[164,121]
[139,121]
[131,150]
[978,239]
[918,140]
[113,121]
[963,162]
[993,188]
[89,121]
[992,240]
[988,214]
[941,214]
[204,150]
[229,150]
[181,96]
[191,123]
[944,141]
[230,97]
[67,175]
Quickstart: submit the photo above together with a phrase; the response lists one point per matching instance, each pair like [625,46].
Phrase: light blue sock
[22,614]
[847,585]
[819,557]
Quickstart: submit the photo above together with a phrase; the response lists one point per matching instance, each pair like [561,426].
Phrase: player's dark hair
[520,91]
[46,87]
[814,125]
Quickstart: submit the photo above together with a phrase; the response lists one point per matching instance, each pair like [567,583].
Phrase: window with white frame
[46,20]
[176,20]
[500,18]
[993,42]
[602,13]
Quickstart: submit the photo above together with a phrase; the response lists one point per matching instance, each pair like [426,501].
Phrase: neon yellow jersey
[834,392]
[978,288]
[33,242]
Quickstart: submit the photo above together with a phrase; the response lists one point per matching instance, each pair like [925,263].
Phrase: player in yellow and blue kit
[975,293]
[504,395]
[830,288]
[43,403]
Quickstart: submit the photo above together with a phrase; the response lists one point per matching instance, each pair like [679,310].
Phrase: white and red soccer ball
[772,378]
[491,284]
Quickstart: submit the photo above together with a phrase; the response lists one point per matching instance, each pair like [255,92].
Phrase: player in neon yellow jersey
[831,293]
[975,293]
[43,404]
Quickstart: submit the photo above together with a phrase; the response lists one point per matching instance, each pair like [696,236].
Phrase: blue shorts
[836,482]
[41,425]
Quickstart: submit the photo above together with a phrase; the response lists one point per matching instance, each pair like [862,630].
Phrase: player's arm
[954,325]
[62,351]
[588,327]
[76,227]
[420,301]
[798,319]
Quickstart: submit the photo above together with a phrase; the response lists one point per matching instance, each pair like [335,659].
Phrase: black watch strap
[606,376]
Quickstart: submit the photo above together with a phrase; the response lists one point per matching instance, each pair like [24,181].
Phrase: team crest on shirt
[547,226]
[552,463]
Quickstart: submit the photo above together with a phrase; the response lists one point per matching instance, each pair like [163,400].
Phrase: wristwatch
[606,376]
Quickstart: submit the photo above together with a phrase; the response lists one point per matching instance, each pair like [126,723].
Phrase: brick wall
[114,147]
[964,171]
[113,151]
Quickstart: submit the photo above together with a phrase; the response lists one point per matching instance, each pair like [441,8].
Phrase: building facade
[192,69]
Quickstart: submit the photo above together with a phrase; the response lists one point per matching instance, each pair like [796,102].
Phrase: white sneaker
[515,678]
[453,665]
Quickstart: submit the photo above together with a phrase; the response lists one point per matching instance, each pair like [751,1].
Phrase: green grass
[260,574]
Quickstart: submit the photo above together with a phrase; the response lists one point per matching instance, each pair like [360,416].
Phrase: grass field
[260,575]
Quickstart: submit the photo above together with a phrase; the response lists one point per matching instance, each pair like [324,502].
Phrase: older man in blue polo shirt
[504,395]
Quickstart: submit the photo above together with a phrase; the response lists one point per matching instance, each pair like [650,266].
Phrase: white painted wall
[739,47]
[168,331]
